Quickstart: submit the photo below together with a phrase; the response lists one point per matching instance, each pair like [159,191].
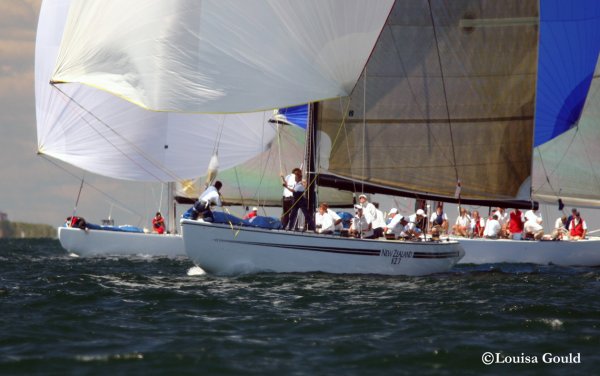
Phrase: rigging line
[218,139]
[545,174]
[162,191]
[364,147]
[278,125]
[136,148]
[444,89]
[337,135]
[562,158]
[78,195]
[431,134]
[587,155]
[237,180]
[120,205]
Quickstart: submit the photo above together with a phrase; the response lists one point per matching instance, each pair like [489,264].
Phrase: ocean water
[63,315]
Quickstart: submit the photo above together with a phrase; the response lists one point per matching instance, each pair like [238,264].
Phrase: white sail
[567,166]
[218,56]
[106,135]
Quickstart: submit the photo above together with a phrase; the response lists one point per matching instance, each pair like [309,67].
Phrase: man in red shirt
[158,224]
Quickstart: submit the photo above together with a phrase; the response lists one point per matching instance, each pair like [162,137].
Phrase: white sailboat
[103,134]
[566,138]
[309,51]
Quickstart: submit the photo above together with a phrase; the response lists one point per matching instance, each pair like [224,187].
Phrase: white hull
[221,249]
[103,242]
[566,253]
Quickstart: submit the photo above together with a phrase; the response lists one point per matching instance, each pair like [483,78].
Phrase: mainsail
[217,56]
[447,98]
[567,133]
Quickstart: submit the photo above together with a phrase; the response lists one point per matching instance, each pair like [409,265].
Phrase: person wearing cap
[324,222]
[300,203]
[415,224]
[397,224]
[369,210]
[361,226]
[287,200]
[463,224]
[253,213]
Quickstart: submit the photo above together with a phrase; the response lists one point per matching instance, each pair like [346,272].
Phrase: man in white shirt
[211,196]
[325,223]
[533,224]
[287,201]
[463,223]
[397,225]
[369,210]
[361,225]
[503,218]
[337,220]
[413,228]
[378,221]
[492,228]
[439,219]
[560,228]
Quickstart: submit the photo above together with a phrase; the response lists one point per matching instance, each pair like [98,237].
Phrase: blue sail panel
[568,51]
[297,115]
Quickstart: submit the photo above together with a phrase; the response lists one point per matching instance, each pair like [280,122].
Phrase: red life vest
[515,224]
[159,225]
[576,229]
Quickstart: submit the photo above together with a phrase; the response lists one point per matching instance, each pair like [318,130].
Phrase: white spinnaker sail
[101,133]
[219,56]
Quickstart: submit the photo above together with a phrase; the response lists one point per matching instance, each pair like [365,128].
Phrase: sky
[37,189]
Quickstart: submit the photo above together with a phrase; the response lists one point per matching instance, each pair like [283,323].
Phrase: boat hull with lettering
[229,250]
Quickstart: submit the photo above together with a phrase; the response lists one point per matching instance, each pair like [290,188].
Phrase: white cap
[363,195]
[255,209]
[393,211]
[358,207]
[420,212]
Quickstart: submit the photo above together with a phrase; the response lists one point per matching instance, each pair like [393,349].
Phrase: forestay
[219,56]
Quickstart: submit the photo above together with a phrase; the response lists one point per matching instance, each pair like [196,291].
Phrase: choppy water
[124,316]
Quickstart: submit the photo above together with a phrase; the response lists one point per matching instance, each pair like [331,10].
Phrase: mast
[311,137]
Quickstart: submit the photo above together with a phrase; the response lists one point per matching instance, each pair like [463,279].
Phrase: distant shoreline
[22,230]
